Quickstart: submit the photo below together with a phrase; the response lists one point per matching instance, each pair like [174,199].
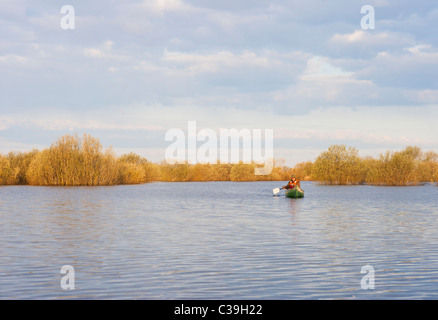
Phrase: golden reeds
[342,165]
[75,161]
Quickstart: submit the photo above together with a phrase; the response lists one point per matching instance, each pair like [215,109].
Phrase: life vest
[292,184]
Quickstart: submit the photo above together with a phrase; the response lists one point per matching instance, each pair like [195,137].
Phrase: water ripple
[218,240]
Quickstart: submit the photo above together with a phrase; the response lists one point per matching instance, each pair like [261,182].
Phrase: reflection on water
[218,240]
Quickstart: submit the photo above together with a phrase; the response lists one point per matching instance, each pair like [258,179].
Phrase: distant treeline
[342,165]
[75,161]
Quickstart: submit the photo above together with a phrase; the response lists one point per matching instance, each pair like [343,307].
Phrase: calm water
[218,240]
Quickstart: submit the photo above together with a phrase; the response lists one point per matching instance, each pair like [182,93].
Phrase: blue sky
[131,70]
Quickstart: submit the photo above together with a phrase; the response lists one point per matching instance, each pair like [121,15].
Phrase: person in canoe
[292,183]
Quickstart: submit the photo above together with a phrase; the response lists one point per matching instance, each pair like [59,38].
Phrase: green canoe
[296,192]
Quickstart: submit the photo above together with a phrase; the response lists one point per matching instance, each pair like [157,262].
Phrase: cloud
[162,6]
[412,68]
[364,126]
[356,36]
[323,84]
[371,42]
[229,62]
[12,59]
[104,51]
[148,65]
[123,118]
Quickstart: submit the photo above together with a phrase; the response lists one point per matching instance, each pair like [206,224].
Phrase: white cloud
[397,126]
[323,84]
[194,63]
[69,122]
[13,59]
[93,52]
[367,38]
[356,36]
[410,69]
[418,48]
[104,51]
[161,6]
[146,65]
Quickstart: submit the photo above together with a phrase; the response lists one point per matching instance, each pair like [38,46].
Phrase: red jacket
[291,184]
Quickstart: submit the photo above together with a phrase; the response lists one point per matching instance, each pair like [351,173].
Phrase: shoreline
[422,184]
[82,161]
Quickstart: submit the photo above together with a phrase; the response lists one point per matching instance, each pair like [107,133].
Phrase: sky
[130,71]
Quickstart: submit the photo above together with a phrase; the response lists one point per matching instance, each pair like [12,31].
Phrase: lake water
[218,240]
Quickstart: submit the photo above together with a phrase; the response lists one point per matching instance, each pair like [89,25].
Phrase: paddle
[276,190]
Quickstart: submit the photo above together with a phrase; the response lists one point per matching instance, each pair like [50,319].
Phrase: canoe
[296,192]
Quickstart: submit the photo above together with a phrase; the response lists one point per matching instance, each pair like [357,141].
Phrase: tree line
[82,161]
[343,165]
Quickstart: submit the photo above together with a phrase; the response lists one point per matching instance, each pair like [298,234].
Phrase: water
[218,240]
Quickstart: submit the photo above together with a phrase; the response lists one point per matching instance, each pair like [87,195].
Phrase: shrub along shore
[75,161]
